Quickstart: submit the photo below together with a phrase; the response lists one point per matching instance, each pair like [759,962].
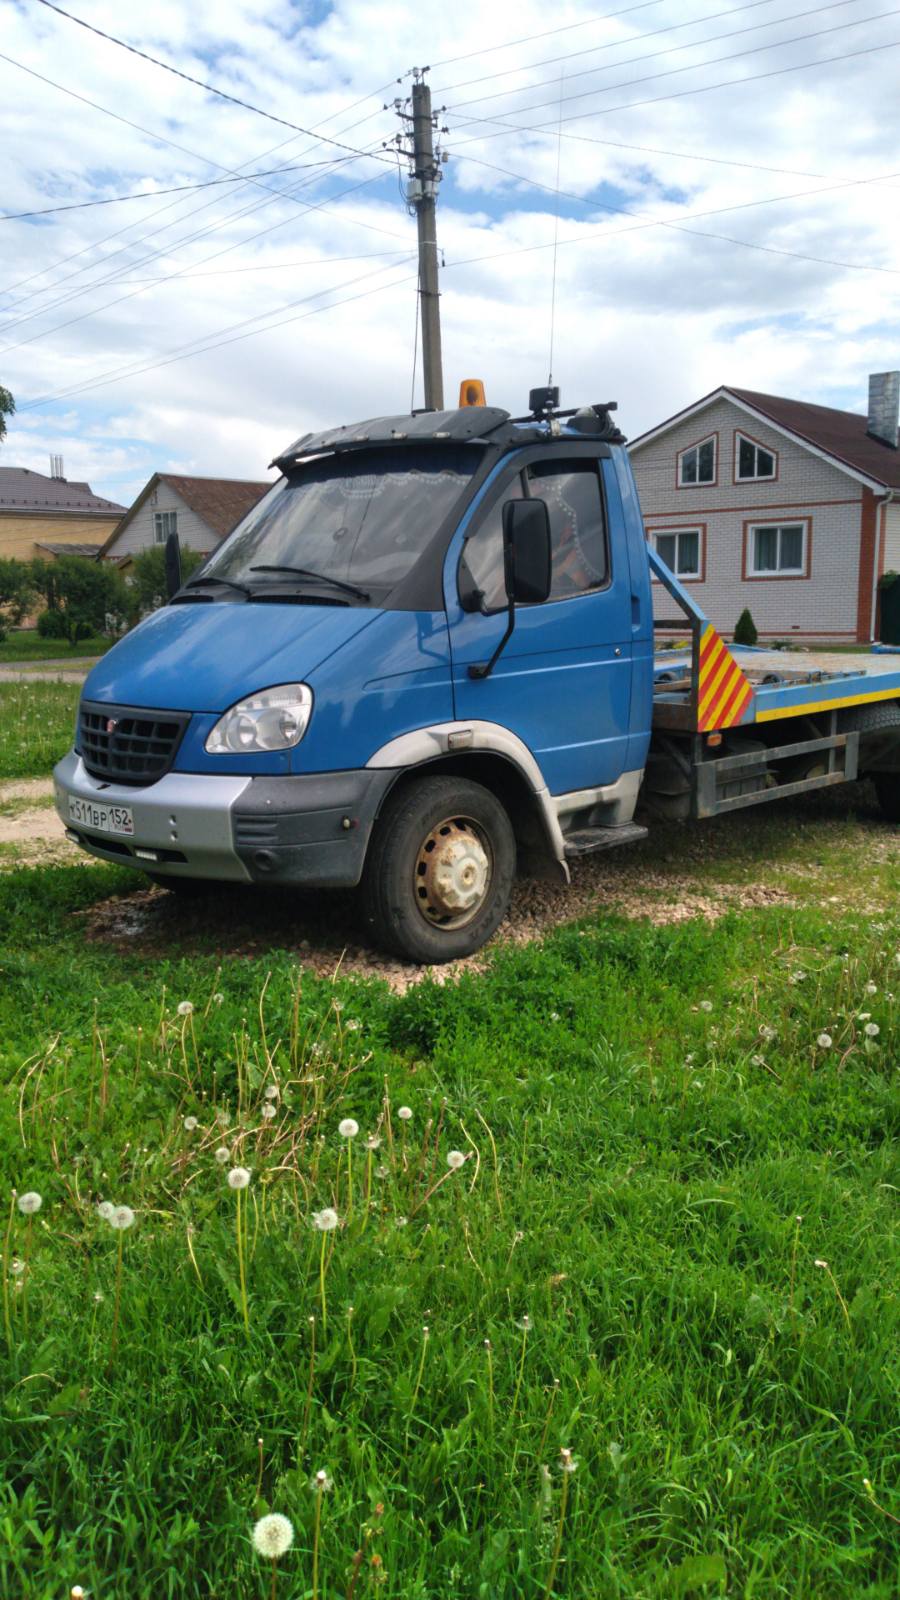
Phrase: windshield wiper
[229,583]
[319,577]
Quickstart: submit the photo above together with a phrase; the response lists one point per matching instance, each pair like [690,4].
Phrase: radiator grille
[125,745]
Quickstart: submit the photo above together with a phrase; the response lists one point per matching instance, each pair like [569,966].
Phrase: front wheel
[440,870]
[887,788]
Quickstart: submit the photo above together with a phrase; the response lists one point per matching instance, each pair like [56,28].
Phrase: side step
[585,841]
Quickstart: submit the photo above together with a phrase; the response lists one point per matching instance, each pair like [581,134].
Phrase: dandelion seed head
[271,1091]
[16,1267]
[185,1008]
[325,1220]
[567,1460]
[820,1263]
[223,1155]
[455,1160]
[863,1016]
[238,1178]
[320,1482]
[268,1111]
[525,1323]
[871,988]
[76,1592]
[706,1005]
[405,1112]
[353,1025]
[122,1218]
[190,1123]
[347,1128]
[30,1202]
[222,1118]
[400,1222]
[98,1297]
[824,1041]
[871,1031]
[217,999]
[766,1032]
[273,1535]
[382,1172]
[373,1142]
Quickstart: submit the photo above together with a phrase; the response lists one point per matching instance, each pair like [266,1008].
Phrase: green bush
[51,625]
[745,632]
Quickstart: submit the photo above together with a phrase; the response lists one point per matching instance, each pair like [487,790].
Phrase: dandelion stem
[368,1187]
[349,1182]
[259,1475]
[564,1495]
[242,1271]
[274,1578]
[490,1367]
[418,1384]
[322,1283]
[515,1404]
[120,1251]
[6,1264]
[553,1393]
[350,1343]
[26,1273]
[320,1490]
[797,1221]
[309,1386]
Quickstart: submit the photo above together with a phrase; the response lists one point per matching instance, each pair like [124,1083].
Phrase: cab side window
[571,492]
[481,567]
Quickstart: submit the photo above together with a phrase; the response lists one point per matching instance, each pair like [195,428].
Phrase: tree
[7,407]
[16,589]
[149,585]
[90,595]
[745,632]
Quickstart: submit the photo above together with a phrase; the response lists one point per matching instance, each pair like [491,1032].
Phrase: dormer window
[753,463]
[697,464]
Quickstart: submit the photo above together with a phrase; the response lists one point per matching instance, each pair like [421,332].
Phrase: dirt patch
[32,835]
[324,931]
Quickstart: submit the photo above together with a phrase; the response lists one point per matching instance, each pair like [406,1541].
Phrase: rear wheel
[887,788]
[440,870]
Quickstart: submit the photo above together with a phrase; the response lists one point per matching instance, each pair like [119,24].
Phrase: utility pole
[422,196]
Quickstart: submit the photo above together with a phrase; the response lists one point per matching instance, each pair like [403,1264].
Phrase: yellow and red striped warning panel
[724,694]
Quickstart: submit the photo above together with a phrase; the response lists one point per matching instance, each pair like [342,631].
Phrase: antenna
[555,229]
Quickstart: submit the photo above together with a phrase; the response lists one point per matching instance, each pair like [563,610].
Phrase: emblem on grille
[111,724]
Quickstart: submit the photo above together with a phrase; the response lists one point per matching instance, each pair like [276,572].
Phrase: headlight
[273,719]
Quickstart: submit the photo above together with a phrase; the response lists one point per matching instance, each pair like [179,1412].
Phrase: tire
[887,788]
[440,870]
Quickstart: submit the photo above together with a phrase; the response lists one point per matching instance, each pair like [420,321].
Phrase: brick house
[790,509]
[200,510]
[47,517]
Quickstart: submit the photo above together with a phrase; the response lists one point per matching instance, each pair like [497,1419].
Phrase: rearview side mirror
[526,551]
[173,565]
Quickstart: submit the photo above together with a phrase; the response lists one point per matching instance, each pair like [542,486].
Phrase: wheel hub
[453,872]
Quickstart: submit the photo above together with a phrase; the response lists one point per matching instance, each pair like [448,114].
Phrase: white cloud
[651,316]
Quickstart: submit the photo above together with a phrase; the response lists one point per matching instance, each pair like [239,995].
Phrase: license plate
[102,819]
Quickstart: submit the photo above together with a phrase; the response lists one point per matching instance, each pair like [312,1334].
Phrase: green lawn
[29,646]
[617,1269]
[37,722]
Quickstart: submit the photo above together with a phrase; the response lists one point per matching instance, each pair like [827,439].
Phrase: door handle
[635,611]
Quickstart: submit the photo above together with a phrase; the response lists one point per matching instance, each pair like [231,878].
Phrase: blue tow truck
[425,661]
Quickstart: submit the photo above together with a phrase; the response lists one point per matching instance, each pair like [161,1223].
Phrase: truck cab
[422,662]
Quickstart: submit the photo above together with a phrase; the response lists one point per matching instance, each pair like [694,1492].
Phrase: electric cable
[154,194]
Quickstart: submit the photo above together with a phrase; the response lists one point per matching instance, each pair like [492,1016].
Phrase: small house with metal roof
[200,510]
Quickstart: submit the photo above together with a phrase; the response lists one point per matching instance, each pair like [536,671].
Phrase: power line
[97,310]
[671,72]
[274,266]
[700,233]
[106,239]
[706,88]
[105,381]
[675,49]
[594,49]
[528,38]
[208,87]
[179,188]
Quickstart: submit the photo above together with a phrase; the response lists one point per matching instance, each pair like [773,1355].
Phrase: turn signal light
[471,392]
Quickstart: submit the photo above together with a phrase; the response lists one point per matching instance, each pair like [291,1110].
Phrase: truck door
[563,682]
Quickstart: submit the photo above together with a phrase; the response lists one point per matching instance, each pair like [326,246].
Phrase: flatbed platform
[780,684]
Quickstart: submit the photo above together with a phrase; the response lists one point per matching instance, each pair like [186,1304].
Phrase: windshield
[360,520]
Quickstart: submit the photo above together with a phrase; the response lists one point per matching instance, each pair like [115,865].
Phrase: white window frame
[161,530]
[701,483]
[683,577]
[753,477]
[803,523]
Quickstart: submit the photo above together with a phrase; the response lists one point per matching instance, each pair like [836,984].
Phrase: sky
[684,193]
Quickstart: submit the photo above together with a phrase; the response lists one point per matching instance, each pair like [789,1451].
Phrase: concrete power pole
[422,194]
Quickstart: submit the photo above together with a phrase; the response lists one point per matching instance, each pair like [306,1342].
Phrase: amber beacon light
[471,392]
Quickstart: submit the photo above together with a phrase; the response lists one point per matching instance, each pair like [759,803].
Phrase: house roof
[22,490]
[70,549]
[841,436]
[219,502]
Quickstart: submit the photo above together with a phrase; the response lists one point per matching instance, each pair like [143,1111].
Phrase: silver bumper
[184,817]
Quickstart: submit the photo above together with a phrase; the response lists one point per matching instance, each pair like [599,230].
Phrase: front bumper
[311,829]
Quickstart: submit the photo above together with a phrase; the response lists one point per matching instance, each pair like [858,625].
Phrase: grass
[29,646]
[37,721]
[645,1113]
